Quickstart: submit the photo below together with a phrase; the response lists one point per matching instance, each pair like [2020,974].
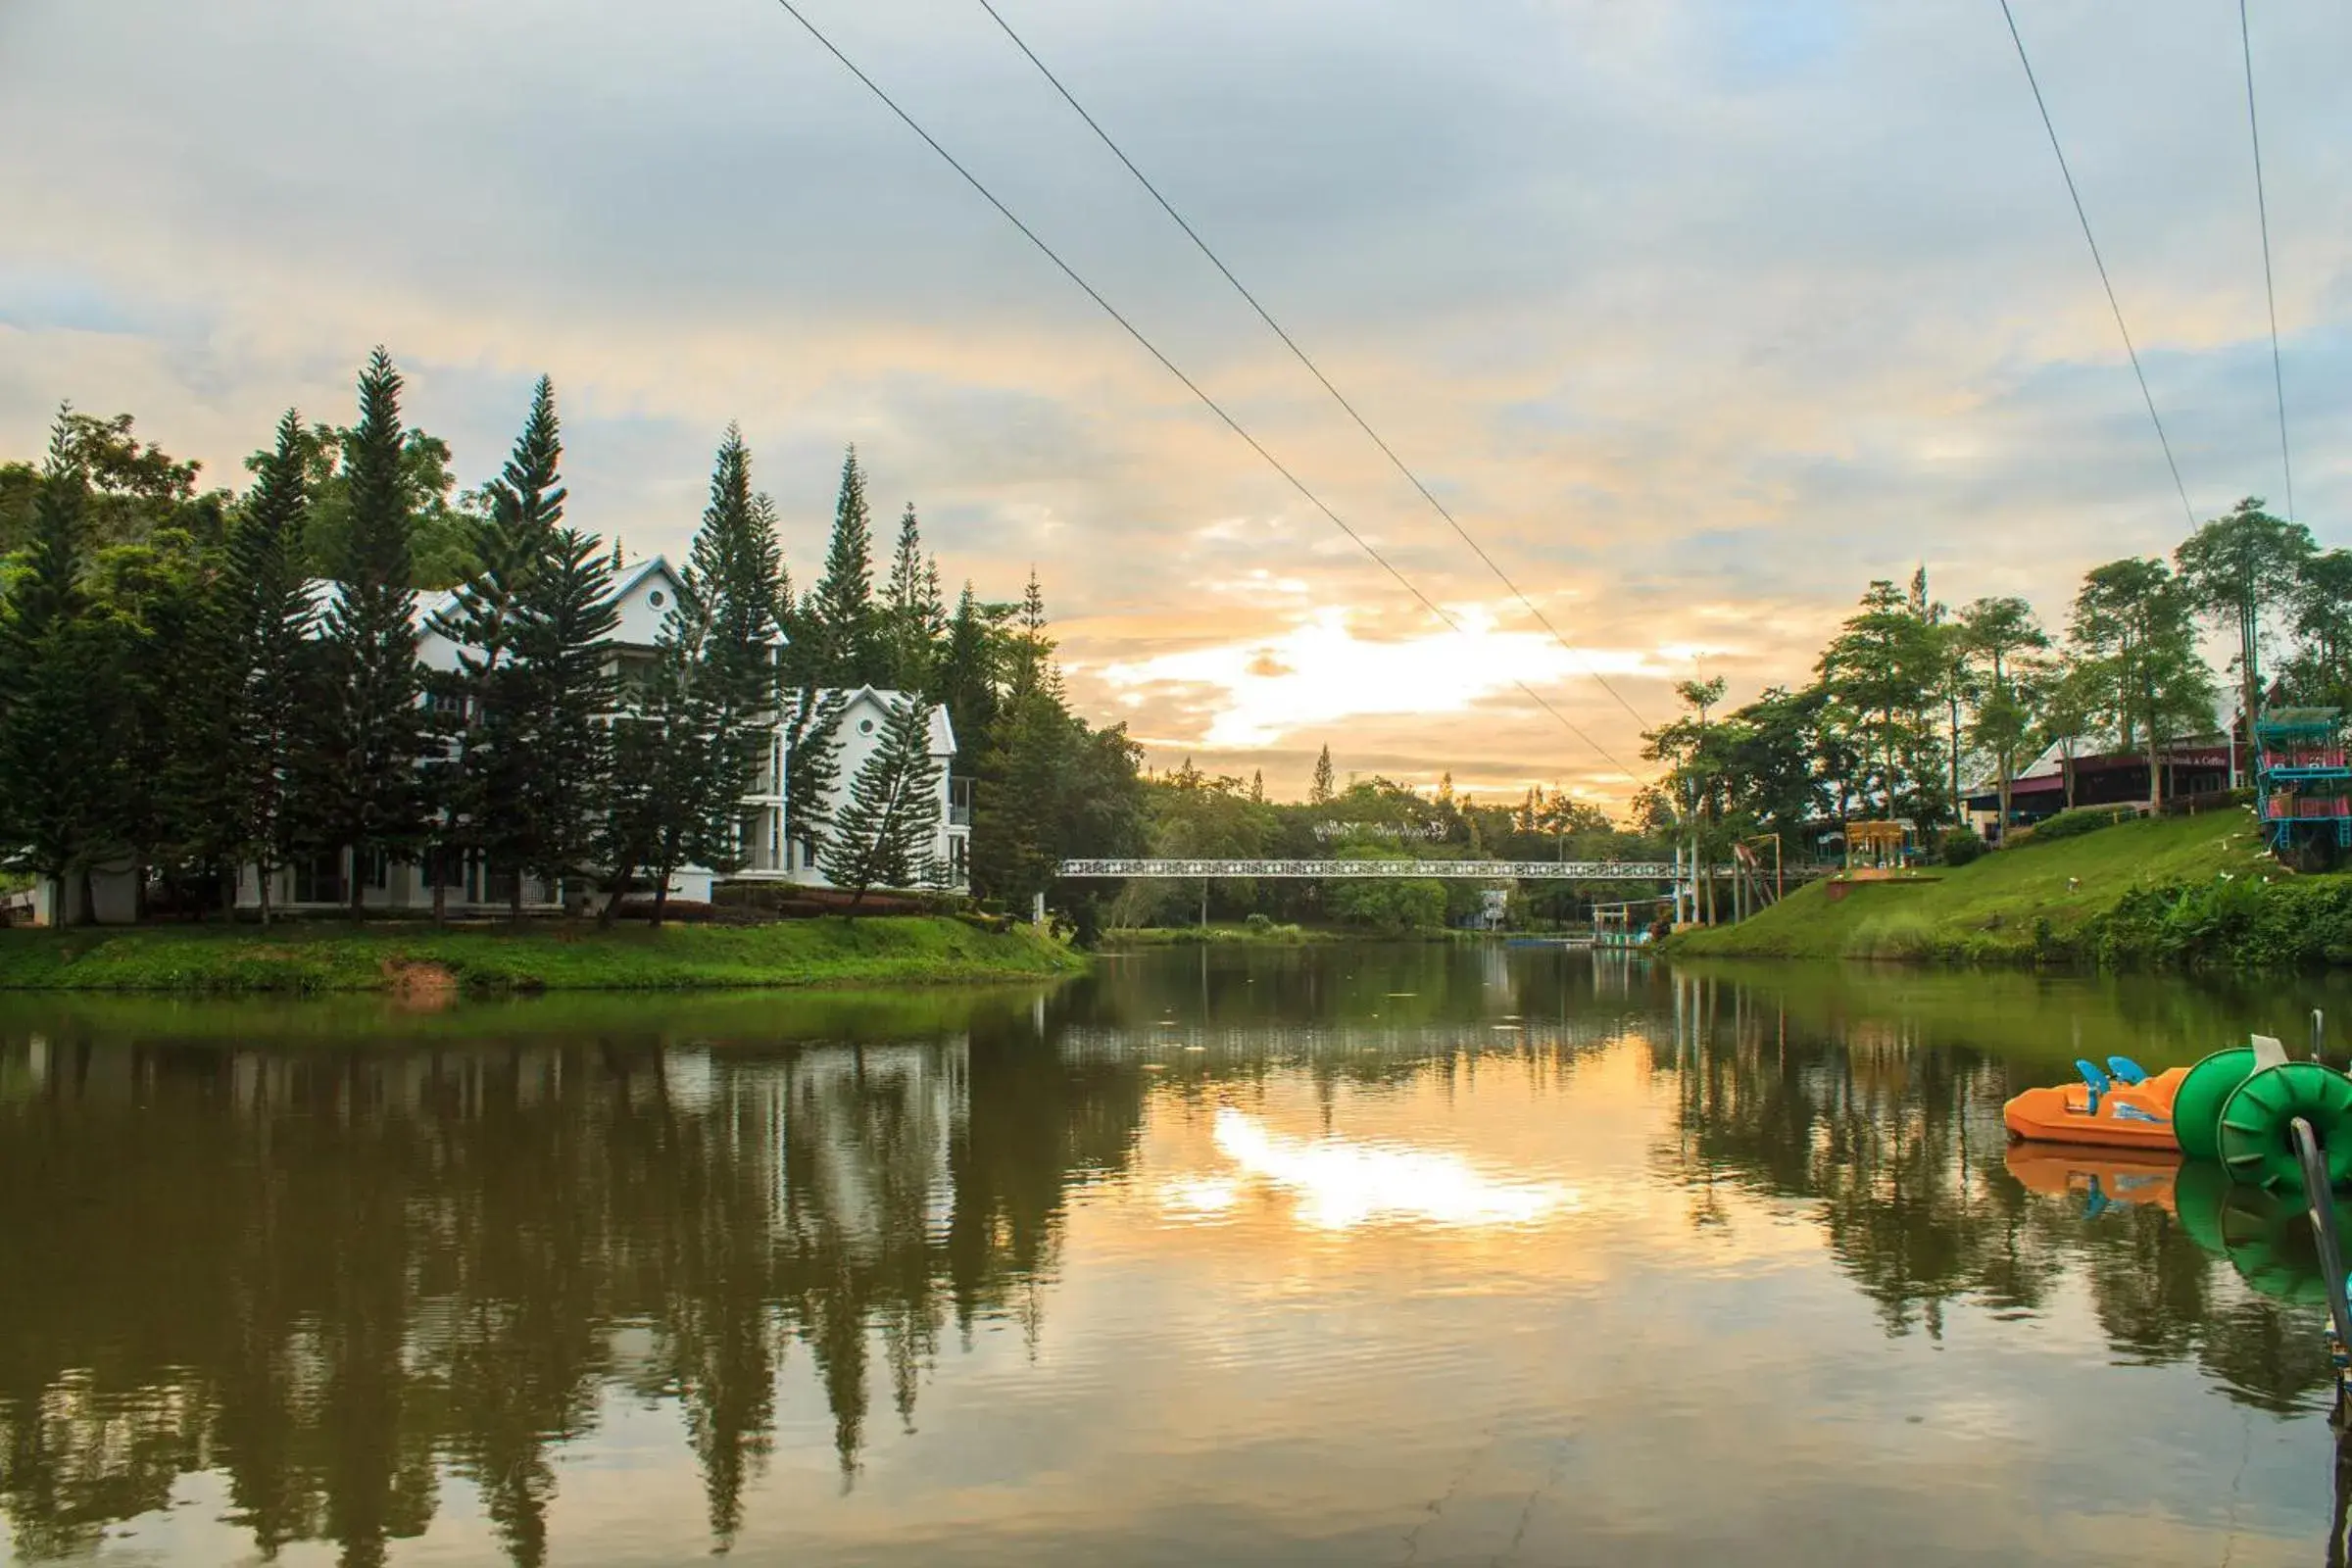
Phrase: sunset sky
[1699,314]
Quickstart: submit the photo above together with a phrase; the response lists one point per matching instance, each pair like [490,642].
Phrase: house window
[498,885]
[444,868]
[958,860]
[318,878]
[379,870]
[656,599]
[865,726]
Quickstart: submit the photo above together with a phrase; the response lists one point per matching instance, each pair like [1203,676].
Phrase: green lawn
[2016,904]
[338,956]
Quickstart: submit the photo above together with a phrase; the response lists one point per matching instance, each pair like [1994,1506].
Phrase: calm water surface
[1351,1257]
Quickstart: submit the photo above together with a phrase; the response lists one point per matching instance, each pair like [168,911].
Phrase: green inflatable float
[2198,1107]
[2252,1133]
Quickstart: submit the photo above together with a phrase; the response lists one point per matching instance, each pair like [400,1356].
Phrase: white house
[864,716]
[644,591]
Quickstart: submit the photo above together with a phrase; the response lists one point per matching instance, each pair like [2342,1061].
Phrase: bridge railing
[1456,870]
[1452,870]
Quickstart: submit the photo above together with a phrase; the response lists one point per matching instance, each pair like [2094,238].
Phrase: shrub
[1259,922]
[1961,845]
[2081,820]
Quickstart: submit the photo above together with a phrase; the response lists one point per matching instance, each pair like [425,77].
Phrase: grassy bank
[2100,897]
[334,956]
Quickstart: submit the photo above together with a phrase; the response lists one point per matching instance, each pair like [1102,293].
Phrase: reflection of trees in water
[333,1275]
[1899,1145]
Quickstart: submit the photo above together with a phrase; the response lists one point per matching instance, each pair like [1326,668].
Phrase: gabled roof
[887,700]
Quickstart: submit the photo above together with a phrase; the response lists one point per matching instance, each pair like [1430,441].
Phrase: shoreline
[422,963]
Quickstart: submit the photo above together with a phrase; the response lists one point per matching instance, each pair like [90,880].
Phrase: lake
[1337,1255]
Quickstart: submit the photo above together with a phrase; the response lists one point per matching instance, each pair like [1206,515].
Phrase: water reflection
[1342,1183]
[371,1274]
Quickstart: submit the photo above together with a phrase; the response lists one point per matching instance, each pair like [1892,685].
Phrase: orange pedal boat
[2109,1114]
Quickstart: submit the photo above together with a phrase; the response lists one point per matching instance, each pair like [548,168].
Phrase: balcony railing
[959,816]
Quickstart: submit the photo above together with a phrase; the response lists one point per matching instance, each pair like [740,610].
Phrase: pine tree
[273,621]
[736,571]
[1032,657]
[911,608]
[486,706]
[563,651]
[370,734]
[812,765]
[842,624]
[965,680]
[1325,787]
[883,834]
[668,780]
[57,776]
[1257,786]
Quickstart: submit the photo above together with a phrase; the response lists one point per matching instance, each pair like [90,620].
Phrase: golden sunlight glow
[1342,1185]
[1320,670]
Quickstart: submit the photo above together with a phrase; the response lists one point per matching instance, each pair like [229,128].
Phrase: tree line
[194,682]
[1913,700]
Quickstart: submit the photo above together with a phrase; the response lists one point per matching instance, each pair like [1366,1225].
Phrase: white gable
[869,709]
[645,593]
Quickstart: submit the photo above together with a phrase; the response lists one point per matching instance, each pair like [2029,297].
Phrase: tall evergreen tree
[274,619]
[1032,657]
[363,756]
[486,706]
[839,617]
[563,651]
[1325,786]
[884,832]
[812,765]
[966,679]
[736,570]
[57,773]
[912,613]
[669,786]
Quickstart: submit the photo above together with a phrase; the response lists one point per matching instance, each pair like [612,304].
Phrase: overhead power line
[1168,364]
[2262,208]
[2099,262]
[1300,354]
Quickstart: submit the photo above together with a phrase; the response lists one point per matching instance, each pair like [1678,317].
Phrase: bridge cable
[2262,208]
[1312,368]
[2099,262]
[1169,366]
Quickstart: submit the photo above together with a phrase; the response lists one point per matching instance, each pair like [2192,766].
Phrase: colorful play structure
[2302,787]
[2247,1131]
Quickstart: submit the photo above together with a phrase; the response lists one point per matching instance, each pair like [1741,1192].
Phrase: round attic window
[656,599]
[865,726]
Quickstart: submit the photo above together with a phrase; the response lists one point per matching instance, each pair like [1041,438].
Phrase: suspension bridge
[1340,870]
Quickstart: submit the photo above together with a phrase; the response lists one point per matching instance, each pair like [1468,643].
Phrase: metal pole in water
[2318,1021]
[2320,1199]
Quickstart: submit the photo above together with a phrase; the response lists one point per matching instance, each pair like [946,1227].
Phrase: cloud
[1698,315]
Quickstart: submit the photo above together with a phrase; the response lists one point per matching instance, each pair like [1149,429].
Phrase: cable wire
[2099,262]
[2262,208]
[1169,366]
[1300,354]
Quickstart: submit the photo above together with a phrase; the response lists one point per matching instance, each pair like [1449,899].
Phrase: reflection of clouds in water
[1342,1185]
